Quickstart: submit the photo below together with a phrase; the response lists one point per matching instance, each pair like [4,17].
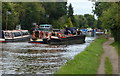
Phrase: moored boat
[14,35]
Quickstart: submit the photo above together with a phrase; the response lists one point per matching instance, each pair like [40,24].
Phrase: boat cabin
[14,35]
[45,27]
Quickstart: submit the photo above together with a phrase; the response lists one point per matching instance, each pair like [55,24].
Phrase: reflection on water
[19,58]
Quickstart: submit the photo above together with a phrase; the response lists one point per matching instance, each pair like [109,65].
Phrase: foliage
[9,20]
[55,10]
[100,7]
[80,20]
[34,13]
[84,61]
[61,22]
[58,14]
[117,47]
[98,23]
[108,20]
[85,21]
[69,23]
[26,13]
[90,20]
[108,13]
[70,14]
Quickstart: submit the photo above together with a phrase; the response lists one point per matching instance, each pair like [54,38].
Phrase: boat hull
[68,40]
[23,39]
[2,40]
[38,41]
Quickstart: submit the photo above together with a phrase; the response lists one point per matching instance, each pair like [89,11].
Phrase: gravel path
[111,53]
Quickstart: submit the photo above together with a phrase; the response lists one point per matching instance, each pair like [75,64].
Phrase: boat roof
[45,25]
[13,30]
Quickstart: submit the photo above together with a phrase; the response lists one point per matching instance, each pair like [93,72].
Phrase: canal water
[27,58]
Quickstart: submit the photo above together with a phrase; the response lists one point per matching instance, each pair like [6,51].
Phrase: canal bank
[86,62]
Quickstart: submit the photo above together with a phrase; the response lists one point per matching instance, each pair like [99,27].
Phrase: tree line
[86,21]
[109,17]
[26,13]
[57,14]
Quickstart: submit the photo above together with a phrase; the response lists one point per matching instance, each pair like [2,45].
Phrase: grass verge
[117,47]
[86,62]
[108,66]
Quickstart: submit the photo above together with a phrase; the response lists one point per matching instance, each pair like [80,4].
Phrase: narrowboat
[75,39]
[41,34]
[14,35]
[67,37]
[99,32]
[57,37]
[40,37]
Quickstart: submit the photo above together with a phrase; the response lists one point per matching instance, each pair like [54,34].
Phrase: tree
[81,21]
[100,7]
[99,23]
[90,20]
[109,17]
[70,14]
[26,13]
[69,23]
[34,13]
[70,10]
[61,22]
[55,10]
[9,16]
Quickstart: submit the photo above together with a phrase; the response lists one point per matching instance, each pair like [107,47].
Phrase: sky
[81,7]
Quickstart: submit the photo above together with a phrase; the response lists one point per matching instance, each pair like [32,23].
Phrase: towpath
[111,53]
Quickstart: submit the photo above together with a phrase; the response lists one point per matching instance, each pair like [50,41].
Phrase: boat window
[46,26]
[17,34]
[25,33]
[8,34]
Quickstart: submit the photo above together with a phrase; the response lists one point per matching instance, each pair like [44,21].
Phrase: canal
[27,58]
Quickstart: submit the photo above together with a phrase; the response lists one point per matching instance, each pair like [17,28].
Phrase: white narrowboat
[14,35]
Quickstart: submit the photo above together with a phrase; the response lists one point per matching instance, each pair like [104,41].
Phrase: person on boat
[78,32]
[37,34]
[73,30]
[36,28]
[67,31]
[53,33]
[1,34]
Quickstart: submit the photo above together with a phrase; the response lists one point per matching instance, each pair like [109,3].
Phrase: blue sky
[81,7]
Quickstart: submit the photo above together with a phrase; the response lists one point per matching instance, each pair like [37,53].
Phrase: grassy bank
[86,62]
[117,47]
[108,66]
